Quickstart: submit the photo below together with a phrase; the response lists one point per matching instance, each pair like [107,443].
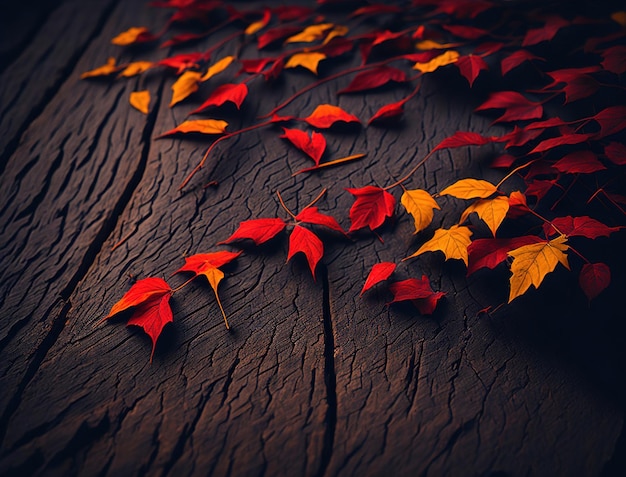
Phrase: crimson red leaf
[313,146]
[539,188]
[470,67]
[611,120]
[418,292]
[287,13]
[616,153]
[520,137]
[579,227]
[461,138]
[466,32]
[489,252]
[379,273]
[548,123]
[503,161]
[517,107]
[257,230]
[254,65]
[376,9]
[325,115]
[615,59]
[371,207]
[566,139]
[515,59]
[594,278]
[546,33]
[581,162]
[388,111]
[201,261]
[311,215]
[275,34]
[182,38]
[305,241]
[181,62]
[234,93]
[374,78]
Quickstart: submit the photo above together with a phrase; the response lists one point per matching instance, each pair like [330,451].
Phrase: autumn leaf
[258,25]
[310,33]
[371,207]
[490,252]
[444,59]
[105,70]
[231,92]
[420,204]
[466,32]
[594,278]
[515,59]
[470,189]
[217,68]
[579,162]
[308,60]
[201,126]
[136,68]
[611,120]
[563,140]
[517,107]
[313,146]
[326,115]
[388,111]
[616,153]
[531,263]
[419,292]
[374,78]
[184,86]
[149,298]
[461,138]
[545,33]
[275,34]
[181,62]
[311,215]
[470,67]
[491,211]
[257,230]
[453,242]
[614,59]
[578,227]
[133,35]
[379,273]
[140,100]
[305,241]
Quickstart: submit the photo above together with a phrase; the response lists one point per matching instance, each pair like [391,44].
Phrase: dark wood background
[312,380]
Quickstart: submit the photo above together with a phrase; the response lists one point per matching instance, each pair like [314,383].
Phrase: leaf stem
[285,207]
[219,302]
[514,171]
[411,172]
[319,196]
[183,285]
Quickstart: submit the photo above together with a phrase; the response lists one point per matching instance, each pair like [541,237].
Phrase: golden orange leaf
[531,263]
[338,31]
[433,45]
[470,189]
[185,85]
[202,126]
[310,33]
[140,100]
[420,204]
[453,242]
[104,70]
[136,68]
[442,60]
[309,60]
[491,211]
[218,67]
[129,36]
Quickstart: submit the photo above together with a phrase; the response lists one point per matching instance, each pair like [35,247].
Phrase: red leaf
[489,252]
[615,59]
[611,120]
[594,278]
[578,83]
[516,106]
[182,38]
[520,137]
[254,65]
[470,67]
[257,230]
[275,34]
[460,8]
[337,46]
[539,188]
[388,111]
[379,273]
[325,115]
[461,138]
[515,59]
[371,207]
[235,93]
[313,146]
[417,291]
[548,123]
[374,78]
[150,299]
[305,241]
[181,62]
[383,36]
[200,262]
[503,161]
[311,215]
[546,33]
[616,153]
[466,32]
[579,227]
[375,9]
[583,162]
[566,139]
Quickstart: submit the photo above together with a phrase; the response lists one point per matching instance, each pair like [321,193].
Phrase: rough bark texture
[312,380]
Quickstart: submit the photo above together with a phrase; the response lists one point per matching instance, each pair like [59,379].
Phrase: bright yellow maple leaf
[420,205]
[470,189]
[104,70]
[531,263]
[218,67]
[310,33]
[140,100]
[453,242]
[444,59]
[491,211]
[136,68]
[308,60]
[185,85]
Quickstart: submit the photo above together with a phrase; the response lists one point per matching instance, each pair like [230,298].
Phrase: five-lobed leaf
[420,204]
[371,207]
[453,242]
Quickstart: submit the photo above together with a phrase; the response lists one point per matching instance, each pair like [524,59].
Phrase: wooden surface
[312,380]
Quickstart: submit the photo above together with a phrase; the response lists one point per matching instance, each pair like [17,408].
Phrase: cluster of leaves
[568,115]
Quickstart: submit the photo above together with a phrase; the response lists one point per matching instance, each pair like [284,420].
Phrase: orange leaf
[262,23]
[136,68]
[201,126]
[310,33]
[325,115]
[453,242]
[133,35]
[308,60]
[218,67]
[185,85]
[420,204]
[444,59]
[104,70]
[491,211]
[140,100]
[470,189]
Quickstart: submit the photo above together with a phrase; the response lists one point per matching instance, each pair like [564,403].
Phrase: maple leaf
[185,85]
[140,100]
[202,126]
[420,204]
[257,230]
[515,59]
[578,227]
[444,59]
[308,60]
[517,107]
[149,298]
[579,162]
[491,211]
[470,67]
[231,92]
[217,67]
[470,189]
[305,241]
[325,115]
[594,278]
[208,265]
[490,252]
[313,146]
[105,70]
[461,138]
[136,68]
[531,263]
[133,35]
[419,292]
[453,242]
[374,78]
[379,273]
[371,207]
[310,33]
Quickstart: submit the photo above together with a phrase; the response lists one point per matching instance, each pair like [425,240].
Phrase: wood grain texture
[312,380]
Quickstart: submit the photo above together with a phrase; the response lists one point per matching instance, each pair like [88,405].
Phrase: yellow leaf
[453,242]
[339,30]
[103,70]
[129,36]
[531,263]
[433,45]
[310,33]
[185,85]
[444,59]
[470,189]
[310,61]
[420,205]
[140,100]
[492,211]
[218,67]
[202,126]
[214,275]
[619,17]
[136,68]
